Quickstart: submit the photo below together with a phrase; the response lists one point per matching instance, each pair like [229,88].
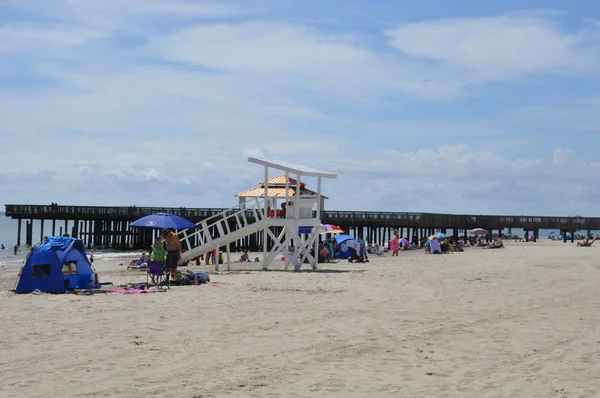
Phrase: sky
[429,106]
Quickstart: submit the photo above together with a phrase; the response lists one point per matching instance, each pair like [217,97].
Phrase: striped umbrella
[331,229]
[479,231]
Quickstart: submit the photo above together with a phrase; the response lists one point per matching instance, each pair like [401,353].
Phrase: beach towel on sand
[131,291]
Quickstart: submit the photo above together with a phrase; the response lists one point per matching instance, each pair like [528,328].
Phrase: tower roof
[293,168]
[276,189]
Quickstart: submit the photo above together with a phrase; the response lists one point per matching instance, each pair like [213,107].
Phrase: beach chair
[380,251]
[156,274]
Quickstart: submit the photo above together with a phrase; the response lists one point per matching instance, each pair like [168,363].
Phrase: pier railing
[100,212]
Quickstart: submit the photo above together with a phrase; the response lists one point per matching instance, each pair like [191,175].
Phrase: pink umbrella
[479,231]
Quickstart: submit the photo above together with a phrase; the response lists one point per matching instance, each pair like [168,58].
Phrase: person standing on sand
[395,243]
[158,251]
[173,250]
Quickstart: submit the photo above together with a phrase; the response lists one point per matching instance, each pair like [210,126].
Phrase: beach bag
[181,279]
[202,277]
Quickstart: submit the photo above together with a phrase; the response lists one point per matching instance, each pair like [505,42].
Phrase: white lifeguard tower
[299,228]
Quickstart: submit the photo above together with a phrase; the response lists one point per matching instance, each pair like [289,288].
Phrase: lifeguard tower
[299,229]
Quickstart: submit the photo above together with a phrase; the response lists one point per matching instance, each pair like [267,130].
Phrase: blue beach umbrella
[341,238]
[162,221]
[441,235]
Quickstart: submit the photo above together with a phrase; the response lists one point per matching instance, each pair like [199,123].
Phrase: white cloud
[29,39]
[454,179]
[563,157]
[499,47]
[133,174]
[125,15]
[299,148]
[458,179]
[285,56]
[262,47]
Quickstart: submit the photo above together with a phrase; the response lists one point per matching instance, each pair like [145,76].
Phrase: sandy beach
[518,322]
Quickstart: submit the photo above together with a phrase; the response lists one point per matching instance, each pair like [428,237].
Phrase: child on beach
[158,251]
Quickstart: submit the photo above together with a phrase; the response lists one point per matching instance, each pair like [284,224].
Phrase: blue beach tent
[341,239]
[55,266]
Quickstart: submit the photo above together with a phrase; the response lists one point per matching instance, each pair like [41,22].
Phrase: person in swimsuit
[173,250]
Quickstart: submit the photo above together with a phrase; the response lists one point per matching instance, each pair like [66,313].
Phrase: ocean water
[8,238]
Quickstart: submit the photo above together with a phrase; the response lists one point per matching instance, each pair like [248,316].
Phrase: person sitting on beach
[445,247]
[355,251]
[244,258]
[496,244]
[458,246]
[139,263]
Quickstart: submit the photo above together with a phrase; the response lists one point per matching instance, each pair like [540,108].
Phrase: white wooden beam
[266,206]
[228,257]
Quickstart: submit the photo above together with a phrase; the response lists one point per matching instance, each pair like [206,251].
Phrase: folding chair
[156,275]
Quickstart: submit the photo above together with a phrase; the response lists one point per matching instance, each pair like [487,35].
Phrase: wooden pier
[108,227]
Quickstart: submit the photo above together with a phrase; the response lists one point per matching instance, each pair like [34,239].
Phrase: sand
[519,322]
